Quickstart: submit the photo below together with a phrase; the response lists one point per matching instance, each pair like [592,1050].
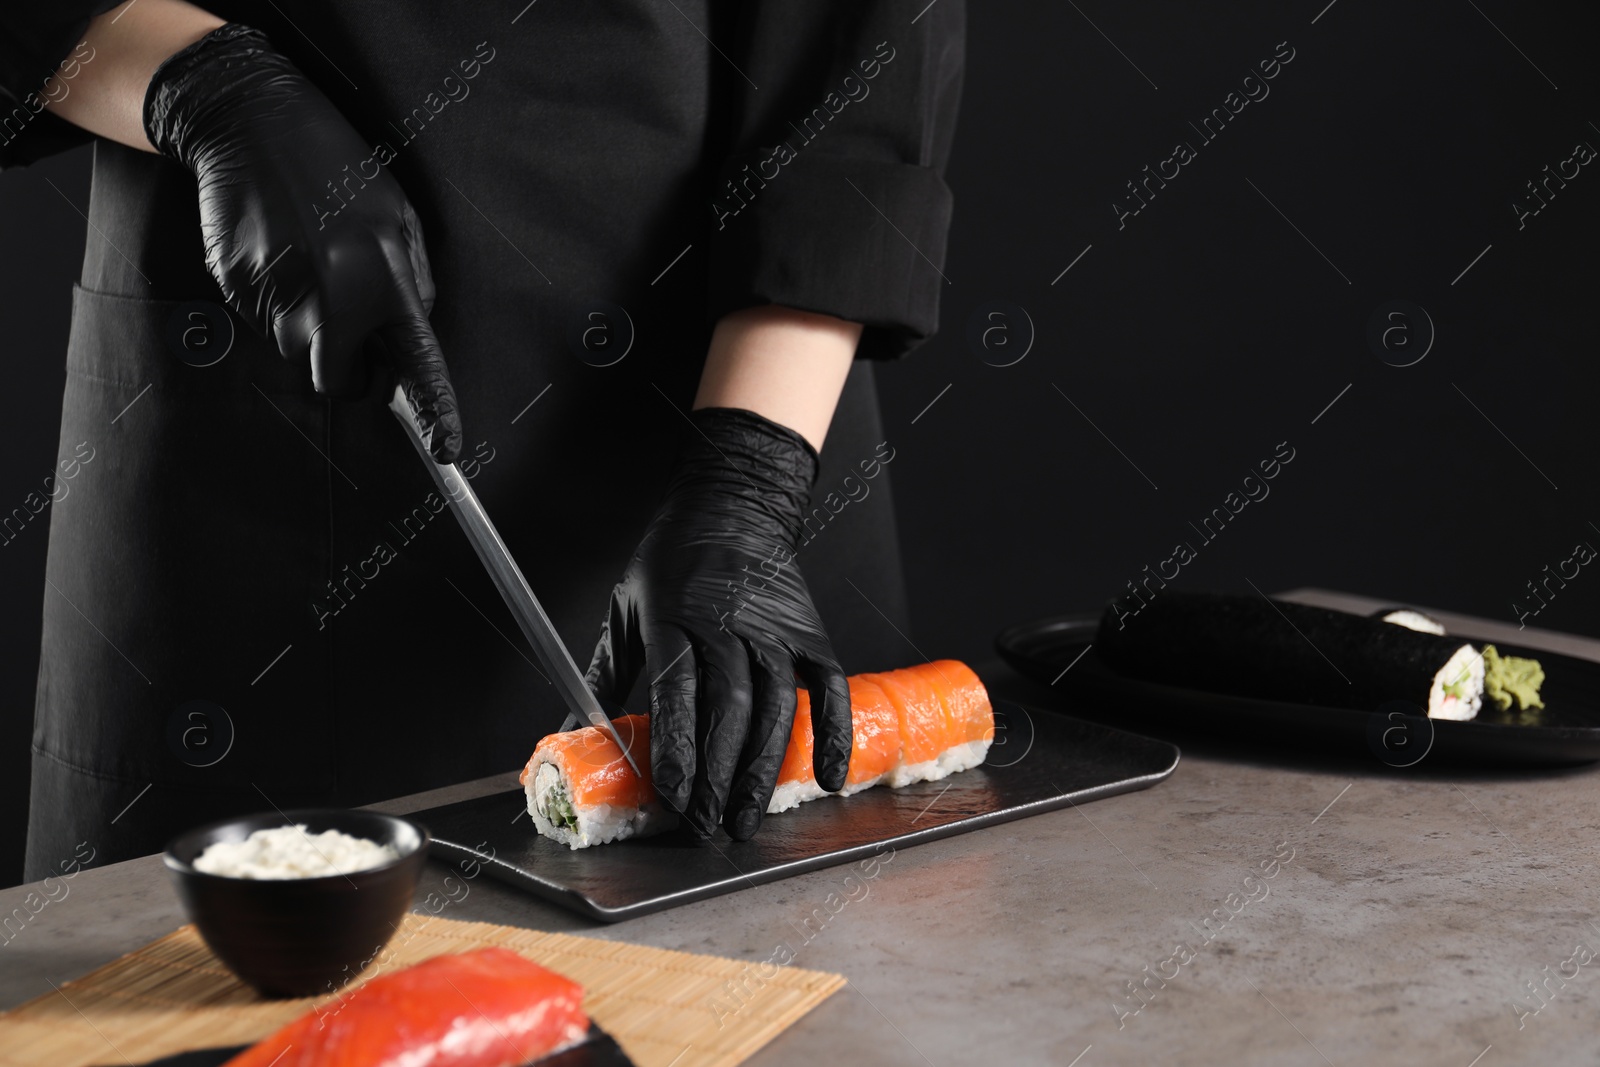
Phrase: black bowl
[297,937]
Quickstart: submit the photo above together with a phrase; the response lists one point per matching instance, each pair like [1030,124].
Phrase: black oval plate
[600,1049]
[1058,651]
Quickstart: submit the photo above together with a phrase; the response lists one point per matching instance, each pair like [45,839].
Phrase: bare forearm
[130,42]
[786,365]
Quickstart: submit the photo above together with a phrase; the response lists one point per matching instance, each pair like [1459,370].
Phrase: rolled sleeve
[833,197]
[35,40]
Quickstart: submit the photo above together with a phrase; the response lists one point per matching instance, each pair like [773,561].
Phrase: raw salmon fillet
[488,1007]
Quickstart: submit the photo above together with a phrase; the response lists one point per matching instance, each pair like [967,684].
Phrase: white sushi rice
[1415,620]
[793,794]
[597,824]
[961,757]
[1464,670]
[956,758]
[291,852]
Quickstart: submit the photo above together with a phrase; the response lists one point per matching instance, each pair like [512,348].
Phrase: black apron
[254,598]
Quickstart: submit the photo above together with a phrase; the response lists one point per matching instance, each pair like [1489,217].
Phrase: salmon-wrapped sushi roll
[874,747]
[582,792]
[946,720]
[910,725]
[967,701]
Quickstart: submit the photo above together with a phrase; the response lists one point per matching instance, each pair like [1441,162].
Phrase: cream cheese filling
[1457,690]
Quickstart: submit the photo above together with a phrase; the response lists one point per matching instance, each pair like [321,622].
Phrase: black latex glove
[715,611]
[322,275]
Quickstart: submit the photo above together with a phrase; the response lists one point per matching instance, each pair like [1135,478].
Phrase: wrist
[124,45]
[204,81]
[786,364]
[736,456]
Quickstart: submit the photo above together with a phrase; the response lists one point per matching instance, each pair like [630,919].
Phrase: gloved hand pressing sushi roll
[714,609]
[321,273]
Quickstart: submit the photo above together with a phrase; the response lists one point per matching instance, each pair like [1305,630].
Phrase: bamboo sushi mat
[173,995]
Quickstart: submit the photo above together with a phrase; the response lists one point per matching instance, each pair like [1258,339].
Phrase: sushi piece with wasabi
[1253,646]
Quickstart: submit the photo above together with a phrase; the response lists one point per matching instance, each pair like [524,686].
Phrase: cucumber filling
[1457,690]
[552,800]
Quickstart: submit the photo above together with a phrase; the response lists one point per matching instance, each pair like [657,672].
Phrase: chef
[631,262]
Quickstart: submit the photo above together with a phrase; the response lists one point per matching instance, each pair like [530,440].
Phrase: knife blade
[536,626]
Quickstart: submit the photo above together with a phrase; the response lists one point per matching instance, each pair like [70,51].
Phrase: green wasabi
[1507,678]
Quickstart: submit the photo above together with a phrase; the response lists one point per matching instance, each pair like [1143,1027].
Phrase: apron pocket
[184,548]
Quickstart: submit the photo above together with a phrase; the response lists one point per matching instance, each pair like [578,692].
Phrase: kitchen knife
[560,670]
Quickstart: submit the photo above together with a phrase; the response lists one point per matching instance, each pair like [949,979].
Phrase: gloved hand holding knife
[321,279]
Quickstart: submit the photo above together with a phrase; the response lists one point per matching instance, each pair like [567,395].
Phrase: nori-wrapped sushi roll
[1251,646]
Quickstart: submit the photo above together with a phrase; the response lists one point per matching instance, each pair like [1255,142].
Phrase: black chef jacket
[254,598]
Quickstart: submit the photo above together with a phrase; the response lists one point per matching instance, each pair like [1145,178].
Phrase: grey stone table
[1405,915]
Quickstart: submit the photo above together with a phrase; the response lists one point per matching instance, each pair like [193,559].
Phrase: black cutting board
[600,1049]
[1057,651]
[1039,761]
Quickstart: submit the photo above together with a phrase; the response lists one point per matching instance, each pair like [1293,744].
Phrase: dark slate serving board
[1040,761]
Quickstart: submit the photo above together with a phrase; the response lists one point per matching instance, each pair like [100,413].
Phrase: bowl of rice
[298,903]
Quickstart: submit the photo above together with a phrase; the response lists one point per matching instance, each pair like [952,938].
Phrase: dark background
[1179,350]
